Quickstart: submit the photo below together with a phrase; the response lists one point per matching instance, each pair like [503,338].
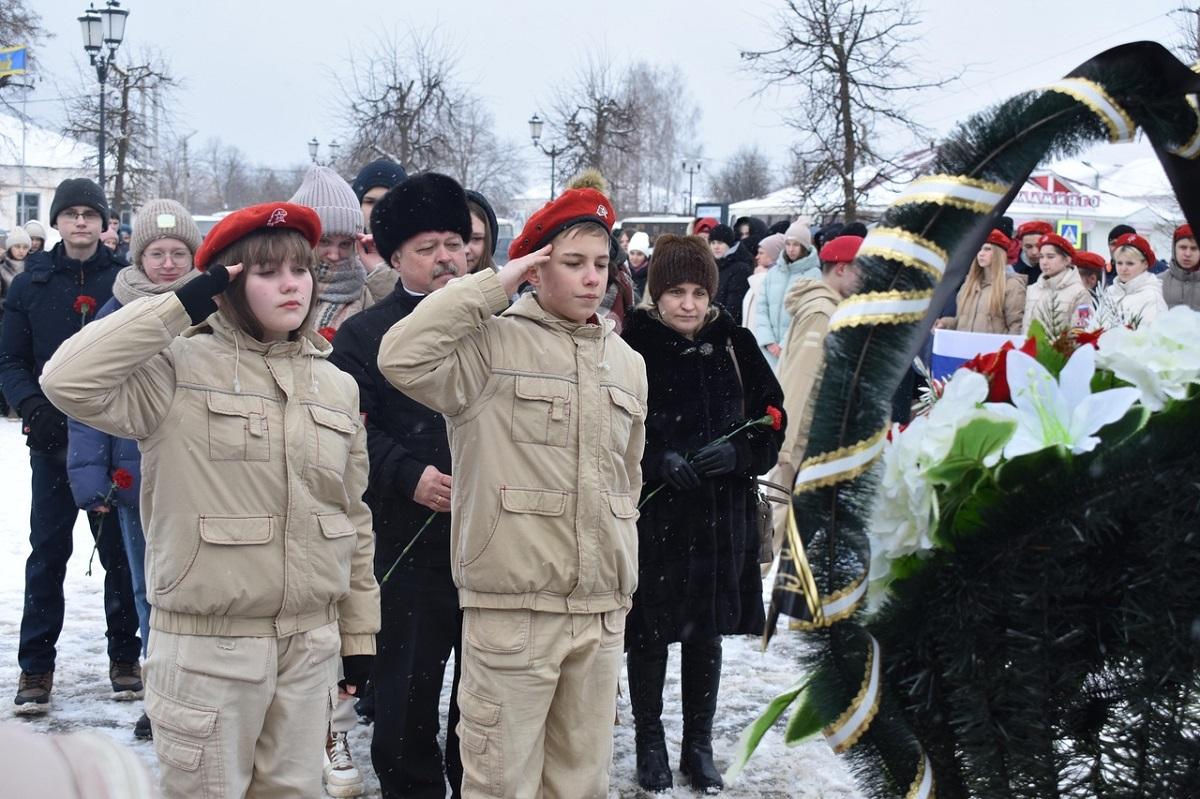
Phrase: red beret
[1182,232]
[1090,260]
[1138,243]
[1059,242]
[243,222]
[703,224]
[841,250]
[573,207]
[998,238]
[1036,226]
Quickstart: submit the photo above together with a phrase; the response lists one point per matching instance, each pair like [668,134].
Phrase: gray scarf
[133,284]
[341,284]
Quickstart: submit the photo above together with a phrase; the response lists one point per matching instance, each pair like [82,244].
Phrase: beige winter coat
[254,464]
[547,425]
[974,314]
[1055,301]
[1139,300]
[811,303]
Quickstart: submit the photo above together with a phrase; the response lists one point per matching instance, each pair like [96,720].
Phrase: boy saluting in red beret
[546,413]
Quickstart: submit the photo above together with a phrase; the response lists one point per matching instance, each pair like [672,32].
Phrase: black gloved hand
[197,295]
[716,459]
[357,670]
[44,425]
[678,473]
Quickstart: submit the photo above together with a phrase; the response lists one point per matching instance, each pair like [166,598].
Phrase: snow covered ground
[750,679]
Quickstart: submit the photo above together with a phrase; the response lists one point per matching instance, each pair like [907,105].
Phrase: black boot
[647,673]
[701,678]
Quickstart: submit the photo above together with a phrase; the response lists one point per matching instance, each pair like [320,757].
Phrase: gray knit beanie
[324,191]
[17,236]
[162,219]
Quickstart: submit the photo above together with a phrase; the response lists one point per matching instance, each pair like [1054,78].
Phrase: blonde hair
[1130,249]
[995,270]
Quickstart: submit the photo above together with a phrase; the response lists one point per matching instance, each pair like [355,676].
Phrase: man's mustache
[445,269]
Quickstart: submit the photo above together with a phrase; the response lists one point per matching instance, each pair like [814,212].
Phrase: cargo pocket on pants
[480,735]
[187,745]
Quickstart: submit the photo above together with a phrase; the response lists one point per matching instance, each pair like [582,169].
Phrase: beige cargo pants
[537,696]
[238,717]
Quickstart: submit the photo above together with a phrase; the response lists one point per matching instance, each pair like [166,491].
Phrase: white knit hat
[640,242]
[17,236]
[35,229]
[162,219]
[327,193]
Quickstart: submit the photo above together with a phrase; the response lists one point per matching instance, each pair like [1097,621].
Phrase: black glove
[716,459]
[357,670]
[44,425]
[197,295]
[678,473]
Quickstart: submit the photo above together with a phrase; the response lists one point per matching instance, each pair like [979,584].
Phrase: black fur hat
[426,202]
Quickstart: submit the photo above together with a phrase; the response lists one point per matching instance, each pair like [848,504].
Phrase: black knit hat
[78,191]
[722,233]
[681,259]
[492,224]
[384,173]
[1119,231]
[426,202]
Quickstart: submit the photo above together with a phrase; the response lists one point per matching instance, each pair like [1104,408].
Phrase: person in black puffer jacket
[735,264]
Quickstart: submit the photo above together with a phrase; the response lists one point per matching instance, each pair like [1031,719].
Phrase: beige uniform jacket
[547,425]
[1055,301]
[254,464]
[811,303]
[974,314]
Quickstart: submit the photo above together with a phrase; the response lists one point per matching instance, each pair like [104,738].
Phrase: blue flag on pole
[12,60]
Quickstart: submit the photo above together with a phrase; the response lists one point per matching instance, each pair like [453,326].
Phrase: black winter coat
[733,280]
[39,313]
[403,437]
[698,572]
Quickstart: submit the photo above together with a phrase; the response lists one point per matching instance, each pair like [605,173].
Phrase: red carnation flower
[1083,337]
[122,479]
[776,417]
[84,304]
[328,333]
[994,366]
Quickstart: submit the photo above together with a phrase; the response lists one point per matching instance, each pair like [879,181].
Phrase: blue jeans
[135,551]
[51,518]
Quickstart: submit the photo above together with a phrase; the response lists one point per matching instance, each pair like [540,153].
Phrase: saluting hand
[518,270]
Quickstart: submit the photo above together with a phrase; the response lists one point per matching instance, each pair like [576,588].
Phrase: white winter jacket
[1139,300]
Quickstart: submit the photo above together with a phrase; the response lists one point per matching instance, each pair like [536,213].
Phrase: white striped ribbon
[862,455]
[1192,148]
[974,195]
[863,712]
[873,308]
[1121,126]
[922,787]
[845,602]
[908,248]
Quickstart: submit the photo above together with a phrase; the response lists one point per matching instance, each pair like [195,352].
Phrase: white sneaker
[341,775]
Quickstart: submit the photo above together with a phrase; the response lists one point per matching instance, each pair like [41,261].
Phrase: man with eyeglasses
[60,291]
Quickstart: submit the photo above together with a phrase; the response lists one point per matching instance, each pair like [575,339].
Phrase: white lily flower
[1060,412]
[1161,359]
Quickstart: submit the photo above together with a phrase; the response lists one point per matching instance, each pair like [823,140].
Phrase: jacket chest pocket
[333,435]
[237,428]
[541,411]
[623,408]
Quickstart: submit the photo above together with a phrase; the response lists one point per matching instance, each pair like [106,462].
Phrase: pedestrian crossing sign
[1071,230]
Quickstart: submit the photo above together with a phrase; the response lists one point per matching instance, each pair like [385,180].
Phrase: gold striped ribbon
[956,191]
[1121,126]
[881,308]
[909,249]
[854,721]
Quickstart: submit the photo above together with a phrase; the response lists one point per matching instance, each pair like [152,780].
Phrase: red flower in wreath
[328,333]
[1092,337]
[84,304]
[994,366]
[122,479]
[776,417]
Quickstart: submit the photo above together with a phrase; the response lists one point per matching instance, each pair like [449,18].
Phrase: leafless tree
[1187,28]
[747,174]
[853,65]
[20,25]
[481,160]
[138,94]
[226,175]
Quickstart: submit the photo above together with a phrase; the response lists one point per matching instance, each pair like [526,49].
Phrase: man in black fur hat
[421,228]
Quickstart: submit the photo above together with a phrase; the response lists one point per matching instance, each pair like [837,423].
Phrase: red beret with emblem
[1058,241]
[1090,260]
[1138,243]
[998,238]
[1036,226]
[245,221]
[841,250]
[1182,232]
[572,207]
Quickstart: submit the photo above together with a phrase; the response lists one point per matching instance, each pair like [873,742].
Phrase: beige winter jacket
[974,314]
[1139,300]
[1055,301]
[811,303]
[254,464]
[547,425]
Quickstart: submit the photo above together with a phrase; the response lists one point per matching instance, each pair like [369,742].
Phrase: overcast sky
[260,75]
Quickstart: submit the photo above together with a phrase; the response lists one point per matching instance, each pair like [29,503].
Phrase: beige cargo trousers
[536,699]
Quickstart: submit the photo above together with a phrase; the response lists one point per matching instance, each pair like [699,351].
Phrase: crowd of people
[331,446]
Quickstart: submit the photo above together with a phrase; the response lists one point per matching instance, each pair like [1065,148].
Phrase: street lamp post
[102,28]
[691,167]
[314,147]
[535,133]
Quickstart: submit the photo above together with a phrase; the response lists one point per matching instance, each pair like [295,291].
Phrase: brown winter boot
[33,694]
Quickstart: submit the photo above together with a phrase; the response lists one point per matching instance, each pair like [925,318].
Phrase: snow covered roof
[43,148]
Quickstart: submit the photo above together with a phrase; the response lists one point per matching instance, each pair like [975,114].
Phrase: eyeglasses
[157,256]
[86,216]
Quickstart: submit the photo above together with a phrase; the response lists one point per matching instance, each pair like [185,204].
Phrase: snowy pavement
[750,678]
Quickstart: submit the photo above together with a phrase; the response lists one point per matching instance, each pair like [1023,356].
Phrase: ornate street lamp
[314,147]
[102,29]
[535,133]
